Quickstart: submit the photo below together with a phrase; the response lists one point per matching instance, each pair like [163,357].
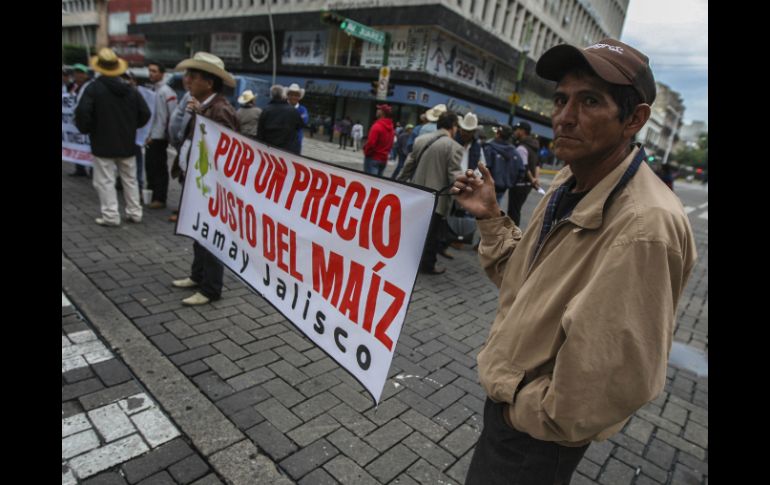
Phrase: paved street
[233,393]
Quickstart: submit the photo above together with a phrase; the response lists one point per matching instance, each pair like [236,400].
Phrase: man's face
[466,135]
[80,77]
[379,114]
[293,97]
[585,119]
[186,81]
[155,74]
[519,134]
[65,78]
[200,87]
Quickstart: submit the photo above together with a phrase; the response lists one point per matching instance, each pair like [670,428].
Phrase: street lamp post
[272,36]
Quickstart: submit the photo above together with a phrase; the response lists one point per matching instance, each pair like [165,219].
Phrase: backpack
[505,167]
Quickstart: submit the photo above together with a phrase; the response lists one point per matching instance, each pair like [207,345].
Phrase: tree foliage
[697,157]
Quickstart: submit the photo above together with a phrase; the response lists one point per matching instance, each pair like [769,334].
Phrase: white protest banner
[334,250]
[75,146]
[144,132]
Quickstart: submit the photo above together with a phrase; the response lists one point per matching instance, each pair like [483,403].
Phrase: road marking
[703,206]
[705,215]
[688,209]
[64,300]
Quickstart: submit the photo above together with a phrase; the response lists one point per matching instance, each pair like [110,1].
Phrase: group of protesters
[110,110]
[588,292]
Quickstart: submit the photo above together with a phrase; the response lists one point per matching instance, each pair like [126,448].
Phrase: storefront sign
[304,47]
[227,46]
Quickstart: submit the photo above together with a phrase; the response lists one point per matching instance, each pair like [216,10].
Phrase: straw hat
[433,113]
[203,61]
[469,122]
[294,88]
[246,97]
[108,63]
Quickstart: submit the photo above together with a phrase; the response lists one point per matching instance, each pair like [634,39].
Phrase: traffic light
[333,18]
[391,86]
[375,87]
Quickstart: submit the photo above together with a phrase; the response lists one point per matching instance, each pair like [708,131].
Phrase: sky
[674,35]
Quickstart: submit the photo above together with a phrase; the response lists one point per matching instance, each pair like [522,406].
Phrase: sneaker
[135,220]
[184,283]
[173,218]
[196,299]
[105,222]
[156,204]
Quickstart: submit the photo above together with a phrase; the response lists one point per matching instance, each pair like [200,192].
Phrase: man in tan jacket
[588,294]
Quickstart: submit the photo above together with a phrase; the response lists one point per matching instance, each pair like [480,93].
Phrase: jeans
[516,197]
[401,160]
[208,272]
[374,167]
[506,456]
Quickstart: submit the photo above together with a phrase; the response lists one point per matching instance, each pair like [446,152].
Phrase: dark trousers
[156,166]
[401,160]
[344,140]
[516,198]
[435,242]
[505,456]
[207,271]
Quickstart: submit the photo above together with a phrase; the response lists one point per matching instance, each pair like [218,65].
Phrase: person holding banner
[78,87]
[589,292]
[206,77]
[110,112]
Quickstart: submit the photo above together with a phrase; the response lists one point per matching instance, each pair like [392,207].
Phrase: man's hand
[535,184]
[193,105]
[477,195]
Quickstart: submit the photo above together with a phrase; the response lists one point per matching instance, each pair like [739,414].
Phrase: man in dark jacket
[279,122]
[110,112]
[528,149]
[206,76]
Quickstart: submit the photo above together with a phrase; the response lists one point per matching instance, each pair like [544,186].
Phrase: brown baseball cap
[610,59]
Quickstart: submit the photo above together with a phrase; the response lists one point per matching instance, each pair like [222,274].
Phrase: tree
[697,157]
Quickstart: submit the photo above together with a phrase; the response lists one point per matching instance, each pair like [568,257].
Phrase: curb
[230,453]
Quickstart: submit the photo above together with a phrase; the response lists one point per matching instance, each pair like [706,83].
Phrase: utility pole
[515,97]
[272,35]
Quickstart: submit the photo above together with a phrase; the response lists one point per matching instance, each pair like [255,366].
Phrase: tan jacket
[586,327]
[438,166]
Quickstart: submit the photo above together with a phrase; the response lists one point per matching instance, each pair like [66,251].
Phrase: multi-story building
[660,133]
[463,53]
[84,23]
[121,14]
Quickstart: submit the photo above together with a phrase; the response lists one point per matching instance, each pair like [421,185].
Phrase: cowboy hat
[203,61]
[433,113]
[469,122]
[108,63]
[294,88]
[246,97]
